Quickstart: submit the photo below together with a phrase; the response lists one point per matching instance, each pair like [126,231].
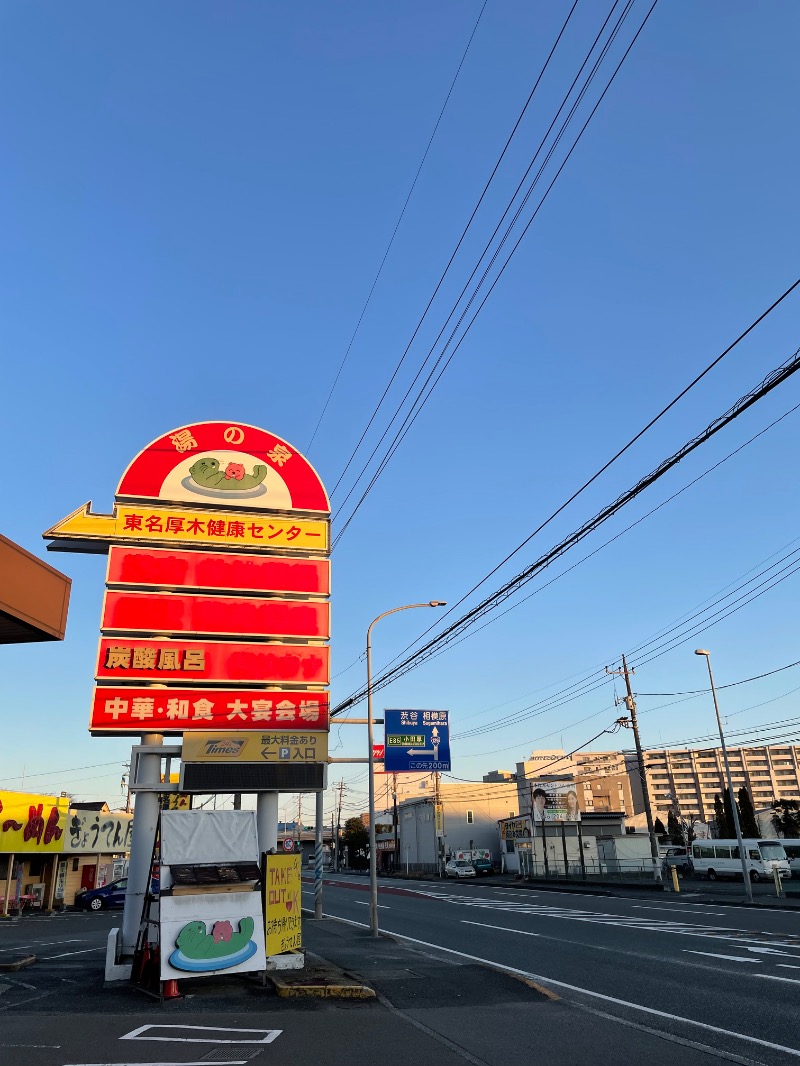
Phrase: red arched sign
[225,464]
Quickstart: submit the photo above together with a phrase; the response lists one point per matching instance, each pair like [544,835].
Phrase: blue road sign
[416,741]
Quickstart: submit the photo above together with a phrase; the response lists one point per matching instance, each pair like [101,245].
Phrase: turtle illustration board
[210,933]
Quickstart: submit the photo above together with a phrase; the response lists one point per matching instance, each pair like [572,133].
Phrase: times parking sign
[417,741]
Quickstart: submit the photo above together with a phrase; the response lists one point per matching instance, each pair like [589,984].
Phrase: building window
[75,865]
[470,817]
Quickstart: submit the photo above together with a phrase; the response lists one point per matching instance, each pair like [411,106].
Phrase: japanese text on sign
[161,523]
[282,903]
[181,710]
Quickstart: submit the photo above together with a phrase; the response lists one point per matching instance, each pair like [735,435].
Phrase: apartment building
[684,780]
[688,780]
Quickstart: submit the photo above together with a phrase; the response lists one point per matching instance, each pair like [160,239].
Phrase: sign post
[216,618]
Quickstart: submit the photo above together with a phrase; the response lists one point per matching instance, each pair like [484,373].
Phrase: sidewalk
[456,1010]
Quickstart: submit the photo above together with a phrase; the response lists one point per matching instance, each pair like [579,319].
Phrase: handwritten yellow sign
[282,904]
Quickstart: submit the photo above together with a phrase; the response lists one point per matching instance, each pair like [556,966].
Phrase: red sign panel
[190,661]
[234,572]
[126,710]
[151,612]
[221,462]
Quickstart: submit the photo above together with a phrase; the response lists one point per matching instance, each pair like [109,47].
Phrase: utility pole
[338,827]
[396,824]
[630,703]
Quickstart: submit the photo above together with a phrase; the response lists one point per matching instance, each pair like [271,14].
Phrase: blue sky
[194,201]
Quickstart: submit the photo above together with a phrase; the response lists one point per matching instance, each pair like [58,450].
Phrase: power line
[770,382]
[455,250]
[423,398]
[396,227]
[590,684]
[541,588]
[776,303]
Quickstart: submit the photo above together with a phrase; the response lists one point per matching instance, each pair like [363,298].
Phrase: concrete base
[116,971]
[293,960]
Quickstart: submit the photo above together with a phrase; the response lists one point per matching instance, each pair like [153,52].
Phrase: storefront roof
[34,597]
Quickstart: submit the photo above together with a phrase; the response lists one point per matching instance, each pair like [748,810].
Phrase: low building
[467,817]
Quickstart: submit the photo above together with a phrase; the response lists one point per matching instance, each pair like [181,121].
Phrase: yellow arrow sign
[173,525]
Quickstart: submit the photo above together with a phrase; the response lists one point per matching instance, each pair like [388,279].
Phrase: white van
[720,858]
[792,849]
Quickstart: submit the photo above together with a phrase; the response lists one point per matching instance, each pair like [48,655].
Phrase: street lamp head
[438,603]
[702,651]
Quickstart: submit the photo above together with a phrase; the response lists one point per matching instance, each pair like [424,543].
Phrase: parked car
[792,849]
[680,858]
[110,895]
[459,868]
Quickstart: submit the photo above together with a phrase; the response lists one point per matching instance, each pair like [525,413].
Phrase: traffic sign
[288,844]
[417,741]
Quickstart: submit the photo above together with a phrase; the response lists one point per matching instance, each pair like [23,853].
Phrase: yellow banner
[32,823]
[282,903]
[255,747]
[172,525]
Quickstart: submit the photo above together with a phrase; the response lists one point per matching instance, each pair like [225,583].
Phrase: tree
[786,819]
[674,830]
[658,828]
[724,829]
[687,826]
[729,820]
[747,814]
[355,838]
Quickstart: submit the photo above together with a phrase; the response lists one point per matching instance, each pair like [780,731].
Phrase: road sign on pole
[417,741]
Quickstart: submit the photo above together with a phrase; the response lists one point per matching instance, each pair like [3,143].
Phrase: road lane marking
[715,955]
[505,929]
[268,1035]
[776,977]
[588,992]
[787,966]
[366,903]
[63,955]
[644,907]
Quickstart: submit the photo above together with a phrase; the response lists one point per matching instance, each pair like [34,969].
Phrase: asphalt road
[721,974]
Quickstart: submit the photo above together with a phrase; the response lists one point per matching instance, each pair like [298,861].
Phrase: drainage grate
[230,1054]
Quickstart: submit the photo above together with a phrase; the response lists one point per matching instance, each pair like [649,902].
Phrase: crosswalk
[619,921]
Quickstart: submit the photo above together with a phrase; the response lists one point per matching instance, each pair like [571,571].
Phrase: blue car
[110,895]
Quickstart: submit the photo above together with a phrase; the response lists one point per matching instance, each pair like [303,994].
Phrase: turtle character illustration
[208,473]
[197,944]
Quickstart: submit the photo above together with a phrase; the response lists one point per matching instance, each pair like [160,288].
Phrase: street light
[748,888]
[373,858]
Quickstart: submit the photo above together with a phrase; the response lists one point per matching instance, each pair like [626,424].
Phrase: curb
[17,964]
[288,989]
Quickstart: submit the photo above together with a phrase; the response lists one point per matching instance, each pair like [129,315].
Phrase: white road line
[788,966]
[775,977]
[365,903]
[588,992]
[505,929]
[644,907]
[63,955]
[714,955]
[268,1035]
